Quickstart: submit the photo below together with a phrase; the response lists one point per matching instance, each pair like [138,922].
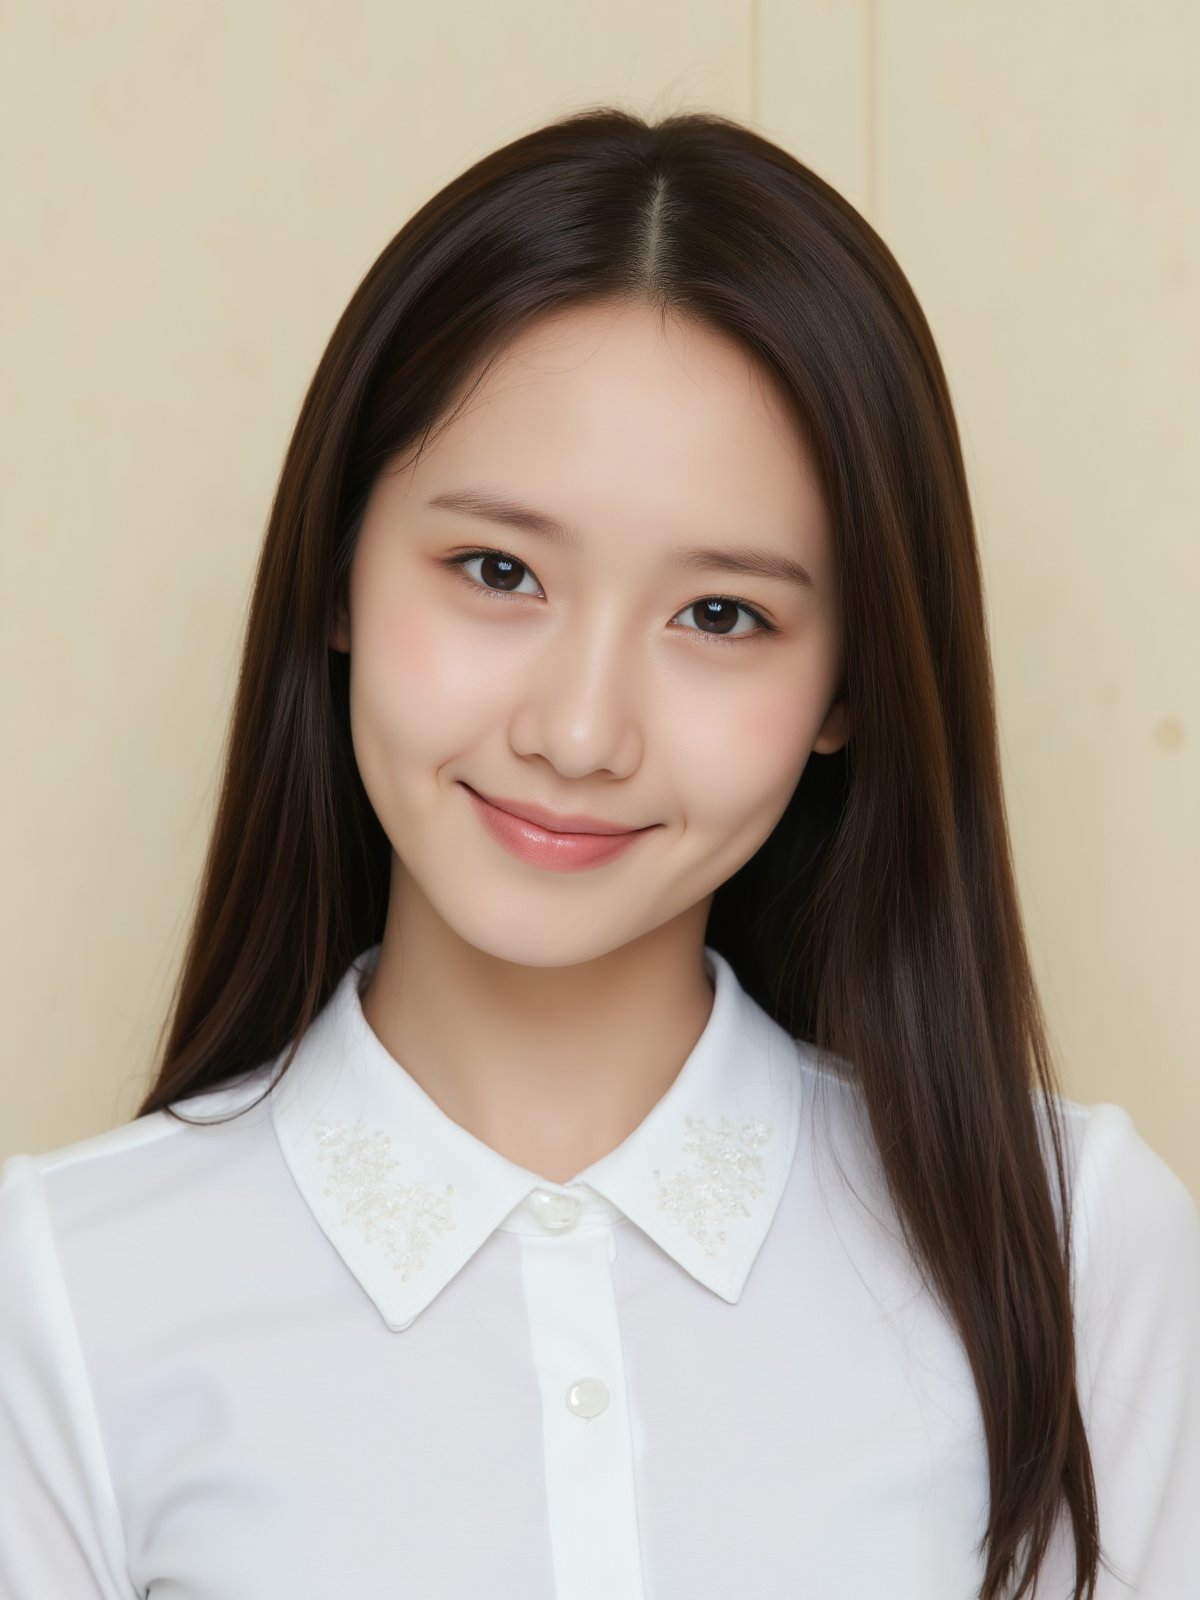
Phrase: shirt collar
[407,1195]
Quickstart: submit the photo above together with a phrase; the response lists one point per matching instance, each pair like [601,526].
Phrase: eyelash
[764,627]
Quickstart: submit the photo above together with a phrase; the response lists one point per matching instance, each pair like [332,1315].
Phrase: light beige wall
[190,195]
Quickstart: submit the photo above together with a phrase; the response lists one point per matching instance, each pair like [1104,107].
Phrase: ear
[834,731]
[339,633]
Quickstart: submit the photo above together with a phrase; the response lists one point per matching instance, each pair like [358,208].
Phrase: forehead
[615,415]
[625,367]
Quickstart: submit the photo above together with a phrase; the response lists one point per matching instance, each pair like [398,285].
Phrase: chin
[541,936]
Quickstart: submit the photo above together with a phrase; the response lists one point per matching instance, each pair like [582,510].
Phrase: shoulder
[75,1197]
[1127,1202]
[1115,1161]
[1135,1287]
[1118,1183]
[111,1245]
[102,1268]
[1133,1219]
[1135,1243]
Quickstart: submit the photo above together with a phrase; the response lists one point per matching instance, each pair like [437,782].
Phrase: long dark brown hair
[880,920]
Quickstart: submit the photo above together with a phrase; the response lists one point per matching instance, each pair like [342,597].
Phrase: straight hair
[880,920]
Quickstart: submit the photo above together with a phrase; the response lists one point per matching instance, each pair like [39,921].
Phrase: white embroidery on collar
[363,1178]
[726,1174]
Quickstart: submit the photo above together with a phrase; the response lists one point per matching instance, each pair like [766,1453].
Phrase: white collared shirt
[339,1346]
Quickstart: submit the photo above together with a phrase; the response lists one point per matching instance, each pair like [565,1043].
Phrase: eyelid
[459,560]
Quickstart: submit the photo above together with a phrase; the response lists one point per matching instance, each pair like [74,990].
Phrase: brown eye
[723,614]
[716,616]
[499,573]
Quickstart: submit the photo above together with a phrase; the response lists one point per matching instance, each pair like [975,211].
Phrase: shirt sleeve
[60,1532]
[1136,1251]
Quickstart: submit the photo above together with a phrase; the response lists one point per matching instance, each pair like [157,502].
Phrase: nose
[581,704]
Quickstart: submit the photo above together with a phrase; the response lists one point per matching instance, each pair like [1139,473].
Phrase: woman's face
[596,671]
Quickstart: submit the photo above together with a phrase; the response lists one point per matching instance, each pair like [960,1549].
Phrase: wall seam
[871,107]
[755,37]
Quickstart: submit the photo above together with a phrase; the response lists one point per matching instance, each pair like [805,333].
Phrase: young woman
[605,1144]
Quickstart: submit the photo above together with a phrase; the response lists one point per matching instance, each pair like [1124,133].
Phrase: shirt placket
[587,1437]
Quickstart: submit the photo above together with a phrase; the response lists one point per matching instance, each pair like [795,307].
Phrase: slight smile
[577,841]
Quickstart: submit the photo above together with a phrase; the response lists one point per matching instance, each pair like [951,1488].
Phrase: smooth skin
[547,1011]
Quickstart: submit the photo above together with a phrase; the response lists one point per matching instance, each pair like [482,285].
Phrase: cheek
[415,684]
[780,726]
[747,756]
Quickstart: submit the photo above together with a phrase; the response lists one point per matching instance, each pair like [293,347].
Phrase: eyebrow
[494,507]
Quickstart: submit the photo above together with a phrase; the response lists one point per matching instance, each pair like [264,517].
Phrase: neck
[551,1066]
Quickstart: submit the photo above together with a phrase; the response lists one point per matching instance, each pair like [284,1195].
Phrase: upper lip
[554,821]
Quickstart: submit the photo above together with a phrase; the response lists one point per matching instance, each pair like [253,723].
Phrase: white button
[587,1397]
[554,1211]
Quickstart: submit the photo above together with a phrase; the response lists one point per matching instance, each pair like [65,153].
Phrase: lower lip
[561,852]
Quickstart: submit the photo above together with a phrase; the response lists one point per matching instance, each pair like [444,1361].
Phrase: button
[554,1211]
[587,1397]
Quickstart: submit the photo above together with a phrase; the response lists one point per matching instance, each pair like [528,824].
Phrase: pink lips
[544,848]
